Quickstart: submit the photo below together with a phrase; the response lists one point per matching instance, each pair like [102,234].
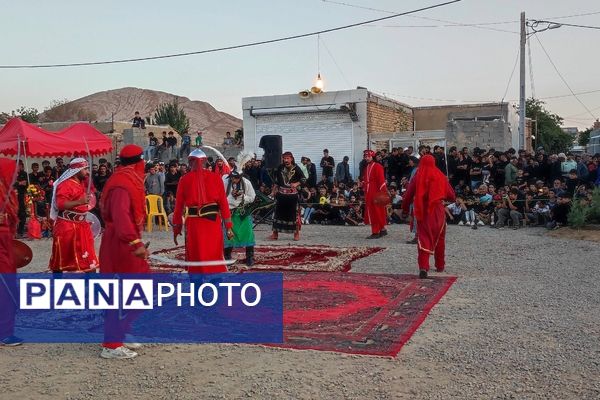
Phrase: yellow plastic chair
[155,208]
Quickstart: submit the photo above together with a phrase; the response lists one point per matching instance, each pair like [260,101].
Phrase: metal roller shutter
[307,134]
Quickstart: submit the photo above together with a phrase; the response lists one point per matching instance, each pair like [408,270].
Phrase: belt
[209,211]
[71,216]
[283,190]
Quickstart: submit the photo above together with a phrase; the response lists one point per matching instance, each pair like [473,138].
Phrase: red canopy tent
[37,142]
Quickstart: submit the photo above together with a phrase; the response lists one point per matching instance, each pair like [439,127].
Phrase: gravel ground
[522,321]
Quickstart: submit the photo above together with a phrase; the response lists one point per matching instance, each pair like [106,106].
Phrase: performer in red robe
[122,250]
[427,191]
[373,184]
[9,208]
[202,192]
[73,242]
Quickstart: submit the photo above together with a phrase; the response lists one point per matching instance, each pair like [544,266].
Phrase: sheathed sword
[172,261]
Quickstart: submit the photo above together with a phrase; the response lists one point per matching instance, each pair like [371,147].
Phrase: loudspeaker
[272,144]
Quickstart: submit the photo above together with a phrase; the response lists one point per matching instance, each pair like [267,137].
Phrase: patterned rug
[283,258]
[356,313]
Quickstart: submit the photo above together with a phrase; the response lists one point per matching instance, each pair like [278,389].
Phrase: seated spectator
[138,122]
[355,215]
[560,212]
[172,146]
[395,207]
[456,211]
[484,209]
[513,207]
[572,182]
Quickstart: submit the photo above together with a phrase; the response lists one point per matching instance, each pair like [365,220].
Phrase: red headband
[369,153]
[78,165]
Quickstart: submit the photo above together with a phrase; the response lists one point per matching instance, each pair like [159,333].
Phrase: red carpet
[356,313]
[285,258]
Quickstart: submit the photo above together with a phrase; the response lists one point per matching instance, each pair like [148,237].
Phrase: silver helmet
[197,154]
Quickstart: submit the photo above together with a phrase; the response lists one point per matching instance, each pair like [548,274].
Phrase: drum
[382,198]
[94,224]
[23,254]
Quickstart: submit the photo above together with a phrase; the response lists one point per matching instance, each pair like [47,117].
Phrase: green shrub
[578,216]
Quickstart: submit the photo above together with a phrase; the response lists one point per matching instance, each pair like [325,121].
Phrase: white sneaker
[480,223]
[461,223]
[131,343]
[121,353]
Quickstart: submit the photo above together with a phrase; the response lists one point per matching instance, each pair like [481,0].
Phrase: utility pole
[522,84]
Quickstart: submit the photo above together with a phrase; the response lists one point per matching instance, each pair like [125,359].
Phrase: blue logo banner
[154,308]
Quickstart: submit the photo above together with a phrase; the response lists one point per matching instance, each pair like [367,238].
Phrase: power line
[229,47]
[562,78]
[418,16]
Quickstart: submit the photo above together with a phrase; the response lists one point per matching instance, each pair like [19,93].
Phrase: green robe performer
[240,193]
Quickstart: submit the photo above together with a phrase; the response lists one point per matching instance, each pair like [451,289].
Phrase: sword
[89,183]
[171,261]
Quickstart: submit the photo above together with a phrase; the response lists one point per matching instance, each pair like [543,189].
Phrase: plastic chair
[155,208]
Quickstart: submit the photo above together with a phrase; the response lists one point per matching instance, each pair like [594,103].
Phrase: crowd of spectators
[493,188]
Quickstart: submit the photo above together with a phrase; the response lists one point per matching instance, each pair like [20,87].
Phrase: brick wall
[384,115]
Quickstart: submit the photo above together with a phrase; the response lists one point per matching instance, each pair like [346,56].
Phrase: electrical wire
[561,77]
[418,16]
[121,61]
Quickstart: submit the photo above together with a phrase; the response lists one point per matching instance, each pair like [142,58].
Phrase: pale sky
[415,65]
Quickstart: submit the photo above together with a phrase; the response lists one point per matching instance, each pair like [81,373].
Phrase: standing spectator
[440,158]
[172,179]
[476,172]
[228,140]
[154,182]
[303,168]
[138,122]
[35,175]
[172,146]
[327,164]
[21,186]
[59,168]
[149,152]
[566,165]
[101,178]
[510,172]
[311,180]
[186,141]
[342,172]
[198,138]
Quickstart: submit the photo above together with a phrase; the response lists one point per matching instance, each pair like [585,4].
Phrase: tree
[27,114]
[65,110]
[173,115]
[549,133]
[584,137]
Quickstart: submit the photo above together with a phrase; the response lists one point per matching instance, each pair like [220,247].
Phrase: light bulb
[319,82]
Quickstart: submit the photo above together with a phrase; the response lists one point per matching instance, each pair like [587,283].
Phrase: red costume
[202,192]
[373,183]
[8,223]
[73,242]
[427,191]
[123,211]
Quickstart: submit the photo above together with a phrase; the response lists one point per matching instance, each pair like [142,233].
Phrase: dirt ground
[510,327]
[591,234]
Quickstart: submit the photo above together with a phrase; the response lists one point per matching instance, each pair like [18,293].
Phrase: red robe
[73,242]
[374,182]
[431,231]
[8,224]
[203,237]
[121,236]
